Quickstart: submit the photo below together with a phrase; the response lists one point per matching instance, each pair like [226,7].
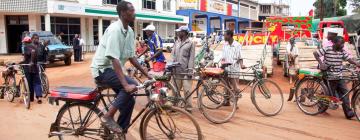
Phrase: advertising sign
[275,26]
[187,4]
[216,6]
[68,8]
[255,39]
[199,24]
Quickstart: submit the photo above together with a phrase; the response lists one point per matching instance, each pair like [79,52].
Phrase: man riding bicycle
[332,64]
[115,48]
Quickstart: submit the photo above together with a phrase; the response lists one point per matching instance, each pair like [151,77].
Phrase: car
[57,50]
[196,36]
[168,43]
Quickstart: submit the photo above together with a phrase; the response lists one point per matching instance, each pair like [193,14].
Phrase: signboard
[187,4]
[303,24]
[255,39]
[216,6]
[199,24]
[339,31]
[68,8]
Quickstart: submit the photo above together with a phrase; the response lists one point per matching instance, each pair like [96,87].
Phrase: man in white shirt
[231,53]
[292,51]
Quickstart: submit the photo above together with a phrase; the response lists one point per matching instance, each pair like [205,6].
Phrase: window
[115,2]
[106,23]
[167,5]
[253,7]
[149,4]
[17,20]
[266,9]
[245,5]
[68,27]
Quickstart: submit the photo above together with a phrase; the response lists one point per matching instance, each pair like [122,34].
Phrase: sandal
[110,124]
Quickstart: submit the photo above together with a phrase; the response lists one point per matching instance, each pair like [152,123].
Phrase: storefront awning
[78,9]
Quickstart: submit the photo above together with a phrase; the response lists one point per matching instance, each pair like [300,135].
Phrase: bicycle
[11,89]
[44,79]
[220,113]
[313,94]
[157,117]
[261,88]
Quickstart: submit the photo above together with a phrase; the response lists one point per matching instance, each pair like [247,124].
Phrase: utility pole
[321,10]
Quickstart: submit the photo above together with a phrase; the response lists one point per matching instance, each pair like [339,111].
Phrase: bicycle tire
[322,108]
[45,84]
[162,125]
[103,133]
[206,110]
[268,96]
[10,90]
[25,92]
[355,103]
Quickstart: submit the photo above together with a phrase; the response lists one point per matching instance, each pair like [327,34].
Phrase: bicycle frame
[95,103]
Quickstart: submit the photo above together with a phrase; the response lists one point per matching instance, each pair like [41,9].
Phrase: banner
[217,6]
[302,25]
[187,4]
[255,39]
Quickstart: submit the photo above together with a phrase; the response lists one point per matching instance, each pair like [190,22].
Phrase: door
[15,26]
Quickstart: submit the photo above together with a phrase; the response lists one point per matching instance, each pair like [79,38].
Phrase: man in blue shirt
[156,48]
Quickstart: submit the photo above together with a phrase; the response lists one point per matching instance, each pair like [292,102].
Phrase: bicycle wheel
[308,96]
[162,124]
[45,84]
[267,97]
[221,111]
[24,92]
[10,90]
[80,121]
[355,102]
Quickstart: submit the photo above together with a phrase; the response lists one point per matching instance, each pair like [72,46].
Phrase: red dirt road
[17,123]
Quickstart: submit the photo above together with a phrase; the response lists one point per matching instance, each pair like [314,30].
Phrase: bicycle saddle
[73,93]
[225,64]
[172,65]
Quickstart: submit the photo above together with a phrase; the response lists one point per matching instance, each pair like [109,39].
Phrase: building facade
[273,9]
[89,18]
[213,15]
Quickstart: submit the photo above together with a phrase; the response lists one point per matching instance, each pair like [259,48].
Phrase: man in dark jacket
[77,50]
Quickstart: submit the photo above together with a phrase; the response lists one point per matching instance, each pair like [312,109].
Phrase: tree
[328,8]
[356,5]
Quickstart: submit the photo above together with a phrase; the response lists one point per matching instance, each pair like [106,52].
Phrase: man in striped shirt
[332,64]
[231,53]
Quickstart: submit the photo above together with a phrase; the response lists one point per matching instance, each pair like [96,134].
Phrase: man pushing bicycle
[332,65]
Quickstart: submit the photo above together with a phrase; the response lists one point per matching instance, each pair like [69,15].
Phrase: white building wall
[90,28]
[34,23]
[3,39]
[83,29]
[244,12]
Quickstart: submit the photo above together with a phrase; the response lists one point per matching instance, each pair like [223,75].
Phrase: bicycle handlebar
[146,84]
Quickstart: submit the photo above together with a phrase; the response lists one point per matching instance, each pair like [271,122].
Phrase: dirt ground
[17,123]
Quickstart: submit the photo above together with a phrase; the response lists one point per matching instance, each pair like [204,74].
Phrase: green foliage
[328,6]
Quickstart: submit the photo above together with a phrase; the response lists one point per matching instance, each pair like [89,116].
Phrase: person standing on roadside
[81,44]
[156,49]
[31,56]
[184,53]
[76,47]
[231,53]
[117,46]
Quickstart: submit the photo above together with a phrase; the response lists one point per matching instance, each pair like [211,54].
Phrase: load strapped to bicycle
[81,113]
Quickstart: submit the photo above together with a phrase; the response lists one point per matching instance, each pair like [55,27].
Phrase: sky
[300,7]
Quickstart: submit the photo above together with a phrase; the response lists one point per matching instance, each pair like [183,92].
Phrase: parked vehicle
[168,43]
[57,50]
